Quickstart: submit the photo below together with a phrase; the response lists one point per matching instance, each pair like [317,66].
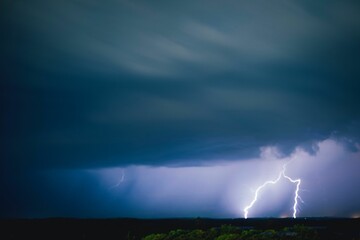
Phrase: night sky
[152,109]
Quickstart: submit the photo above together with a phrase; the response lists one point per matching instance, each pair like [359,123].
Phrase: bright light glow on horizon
[222,189]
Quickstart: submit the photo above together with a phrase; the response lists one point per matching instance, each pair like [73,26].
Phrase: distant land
[130,228]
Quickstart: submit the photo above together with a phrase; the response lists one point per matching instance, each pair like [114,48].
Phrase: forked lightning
[282,174]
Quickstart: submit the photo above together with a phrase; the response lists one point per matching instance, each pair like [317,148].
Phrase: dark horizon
[178,218]
[139,228]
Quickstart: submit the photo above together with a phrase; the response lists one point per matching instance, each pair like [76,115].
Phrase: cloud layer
[104,84]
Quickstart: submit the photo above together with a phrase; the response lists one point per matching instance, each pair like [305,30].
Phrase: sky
[156,109]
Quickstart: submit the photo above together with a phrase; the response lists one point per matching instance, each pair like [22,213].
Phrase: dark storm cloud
[90,84]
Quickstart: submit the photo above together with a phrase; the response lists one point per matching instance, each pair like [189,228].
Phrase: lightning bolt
[296,197]
[281,175]
[120,181]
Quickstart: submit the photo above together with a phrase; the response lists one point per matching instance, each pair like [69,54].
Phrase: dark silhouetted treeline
[271,228]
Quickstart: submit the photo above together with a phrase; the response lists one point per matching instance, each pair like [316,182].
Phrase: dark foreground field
[62,228]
